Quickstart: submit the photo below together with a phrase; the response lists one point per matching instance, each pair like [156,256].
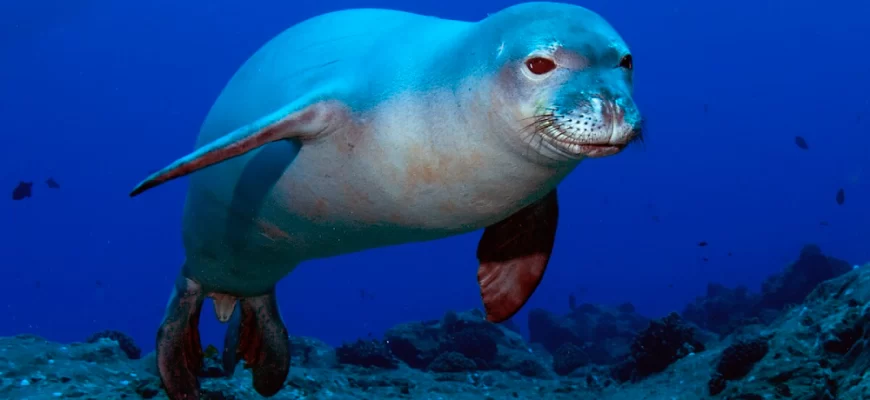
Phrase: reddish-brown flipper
[513,256]
[179,352]
[258,336]
[290,122]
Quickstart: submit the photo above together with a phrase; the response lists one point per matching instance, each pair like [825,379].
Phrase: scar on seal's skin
[272,231]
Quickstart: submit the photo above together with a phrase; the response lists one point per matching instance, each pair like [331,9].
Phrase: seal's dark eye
[540,65]
[626,62]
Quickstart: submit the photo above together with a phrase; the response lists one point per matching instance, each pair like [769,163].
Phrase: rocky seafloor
[803,337]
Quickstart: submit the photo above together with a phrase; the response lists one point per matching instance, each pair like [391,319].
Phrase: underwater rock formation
[799,279]
[367,353]
[489,346]
[604,334]
[126,342]
[815,350]
[661,344]
[724,310]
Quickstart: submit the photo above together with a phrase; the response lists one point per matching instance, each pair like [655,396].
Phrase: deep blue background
[100,93]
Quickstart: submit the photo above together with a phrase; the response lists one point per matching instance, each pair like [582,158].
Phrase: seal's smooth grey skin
[367,128]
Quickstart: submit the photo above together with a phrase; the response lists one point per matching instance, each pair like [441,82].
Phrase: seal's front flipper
[513,255]
[258,335]
[179,352]
[291,122]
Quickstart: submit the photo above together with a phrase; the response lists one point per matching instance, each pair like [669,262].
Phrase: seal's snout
[597,127]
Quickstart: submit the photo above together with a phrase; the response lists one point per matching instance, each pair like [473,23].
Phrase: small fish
[841,196]
[22,191]
[705,259]
[706,107]
[730,254]
[702,244]
[823,223]
[656,218]
[52,183]
[801,142]
[572,301]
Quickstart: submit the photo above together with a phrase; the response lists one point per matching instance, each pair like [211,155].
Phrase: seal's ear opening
[626,62]
[291,122]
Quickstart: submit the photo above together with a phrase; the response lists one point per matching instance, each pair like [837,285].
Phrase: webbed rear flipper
[258,336]
[179,351]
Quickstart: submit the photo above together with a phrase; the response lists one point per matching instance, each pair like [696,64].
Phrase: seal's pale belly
[408,192]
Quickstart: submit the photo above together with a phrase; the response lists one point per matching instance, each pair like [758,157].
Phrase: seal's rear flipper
[257,335]
[513,255]
[231,343]
[179,352]
[291,122]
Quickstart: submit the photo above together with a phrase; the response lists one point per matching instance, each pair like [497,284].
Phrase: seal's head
[564,81]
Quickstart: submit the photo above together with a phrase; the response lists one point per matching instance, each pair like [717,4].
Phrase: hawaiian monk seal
[367,128]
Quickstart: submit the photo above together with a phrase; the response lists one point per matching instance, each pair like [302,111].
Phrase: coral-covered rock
[739,358]
[126,342]
[212,365]
[569,357]
[311,352]
[511,325]
[603,333]
[793,284]
[415,343]
[660,345]
[815,351]
[476,344]
[736,361]
[490,346]
[452,362]
[528,366]
[552,330]
[722,310]
[366,353]
[716,384]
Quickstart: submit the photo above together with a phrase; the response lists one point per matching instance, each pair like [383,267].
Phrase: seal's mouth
[587,149]
[582,134]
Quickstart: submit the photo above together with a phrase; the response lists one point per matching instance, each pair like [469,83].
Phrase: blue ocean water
[99,94]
